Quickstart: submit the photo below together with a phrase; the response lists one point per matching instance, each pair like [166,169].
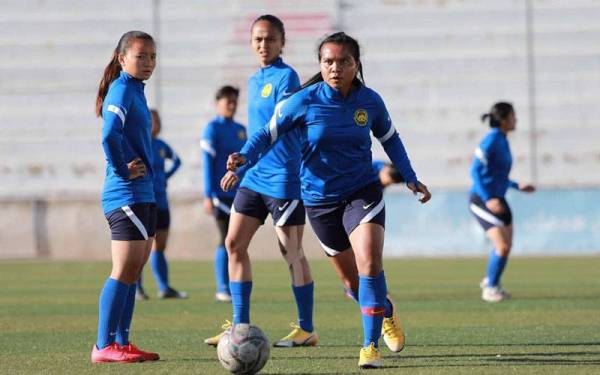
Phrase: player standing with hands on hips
[128,196]
[333,115]
[489,171]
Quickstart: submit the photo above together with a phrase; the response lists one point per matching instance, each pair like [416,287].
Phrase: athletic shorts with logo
[333,223]
[485,217]
[132,223]
[285,212]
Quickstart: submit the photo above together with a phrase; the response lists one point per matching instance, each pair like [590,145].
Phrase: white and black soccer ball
[243,349]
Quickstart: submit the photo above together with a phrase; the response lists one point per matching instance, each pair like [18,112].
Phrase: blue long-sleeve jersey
[161,151]
[335,138]
[126,135]
[277,173]
[491,166]
[221,137]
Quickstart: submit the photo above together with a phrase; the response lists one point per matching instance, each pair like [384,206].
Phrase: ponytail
[499,112]
[113,69]
[111,72]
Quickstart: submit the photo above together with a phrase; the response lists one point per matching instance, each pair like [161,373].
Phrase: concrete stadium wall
[68,229]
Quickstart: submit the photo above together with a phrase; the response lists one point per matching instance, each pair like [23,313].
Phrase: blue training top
[277,173]
[491,167]
[221,137]
[161,151]
[126,135]
[336,142]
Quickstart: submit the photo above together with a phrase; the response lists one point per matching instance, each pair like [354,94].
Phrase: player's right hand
[136,168]
[234,161]
[495,205]
[229,181]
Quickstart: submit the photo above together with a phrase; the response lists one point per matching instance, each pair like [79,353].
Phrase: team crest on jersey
[266,91]
[163,153]
[361,117]
[241,135]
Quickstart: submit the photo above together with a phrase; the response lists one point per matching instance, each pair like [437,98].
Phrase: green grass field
[48,317]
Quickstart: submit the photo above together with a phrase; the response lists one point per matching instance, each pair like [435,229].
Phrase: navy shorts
[485,217]
[285,212]
[333,223]
[132,223]
[163,219]
[222,208]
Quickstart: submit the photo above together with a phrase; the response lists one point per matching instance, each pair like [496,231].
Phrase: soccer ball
[243,349]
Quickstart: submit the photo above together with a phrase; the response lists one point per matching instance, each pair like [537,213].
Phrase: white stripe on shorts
[376,210]
[221,206]
[136,221]
[484,215]
[288,212]
[329,250]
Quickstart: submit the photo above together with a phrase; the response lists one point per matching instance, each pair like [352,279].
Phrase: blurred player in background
[272,186]
[128,198]
[161,151]
[334,115]
[221,137]
[490,170]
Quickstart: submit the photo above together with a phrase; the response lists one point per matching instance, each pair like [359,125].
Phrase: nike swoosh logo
[283,207]
[112,333]
[366,206]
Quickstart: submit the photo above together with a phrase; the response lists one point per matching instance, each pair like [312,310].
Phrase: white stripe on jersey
[117,111]
[387,135]
[206,146]
[481,156]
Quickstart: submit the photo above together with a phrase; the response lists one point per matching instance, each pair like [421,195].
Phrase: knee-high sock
[389,308]
[240,300]
[496,265]
[372,295]
[126,317]
[304,303]
[160,269]
[221,270]
[110,307]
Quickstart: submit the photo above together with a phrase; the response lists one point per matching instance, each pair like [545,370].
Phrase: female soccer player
[161,151]
[221,137]
[271,186]
[333,115]
[128,196]
[489,171]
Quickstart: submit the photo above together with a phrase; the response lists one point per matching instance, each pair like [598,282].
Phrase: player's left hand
[420,188]
[229,180]
[527,188]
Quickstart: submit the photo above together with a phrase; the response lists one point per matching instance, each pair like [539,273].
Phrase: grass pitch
[48,317]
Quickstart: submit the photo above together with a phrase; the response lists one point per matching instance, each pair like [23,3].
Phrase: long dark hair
[352,45]
[499,112]
[275,21]
[112,70]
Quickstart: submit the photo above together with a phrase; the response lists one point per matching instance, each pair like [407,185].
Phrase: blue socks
[126,316]
[110,308]
[160,269]
[221,270]
[240,300]
[495,268]
[304,303]
[389,309]
[372,293]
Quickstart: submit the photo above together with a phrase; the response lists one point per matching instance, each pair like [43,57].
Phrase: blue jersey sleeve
[209,155]
[114,113]
[174,158]
[285,117]
[384,131]
[484,155]
[513,184]
[287,86]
